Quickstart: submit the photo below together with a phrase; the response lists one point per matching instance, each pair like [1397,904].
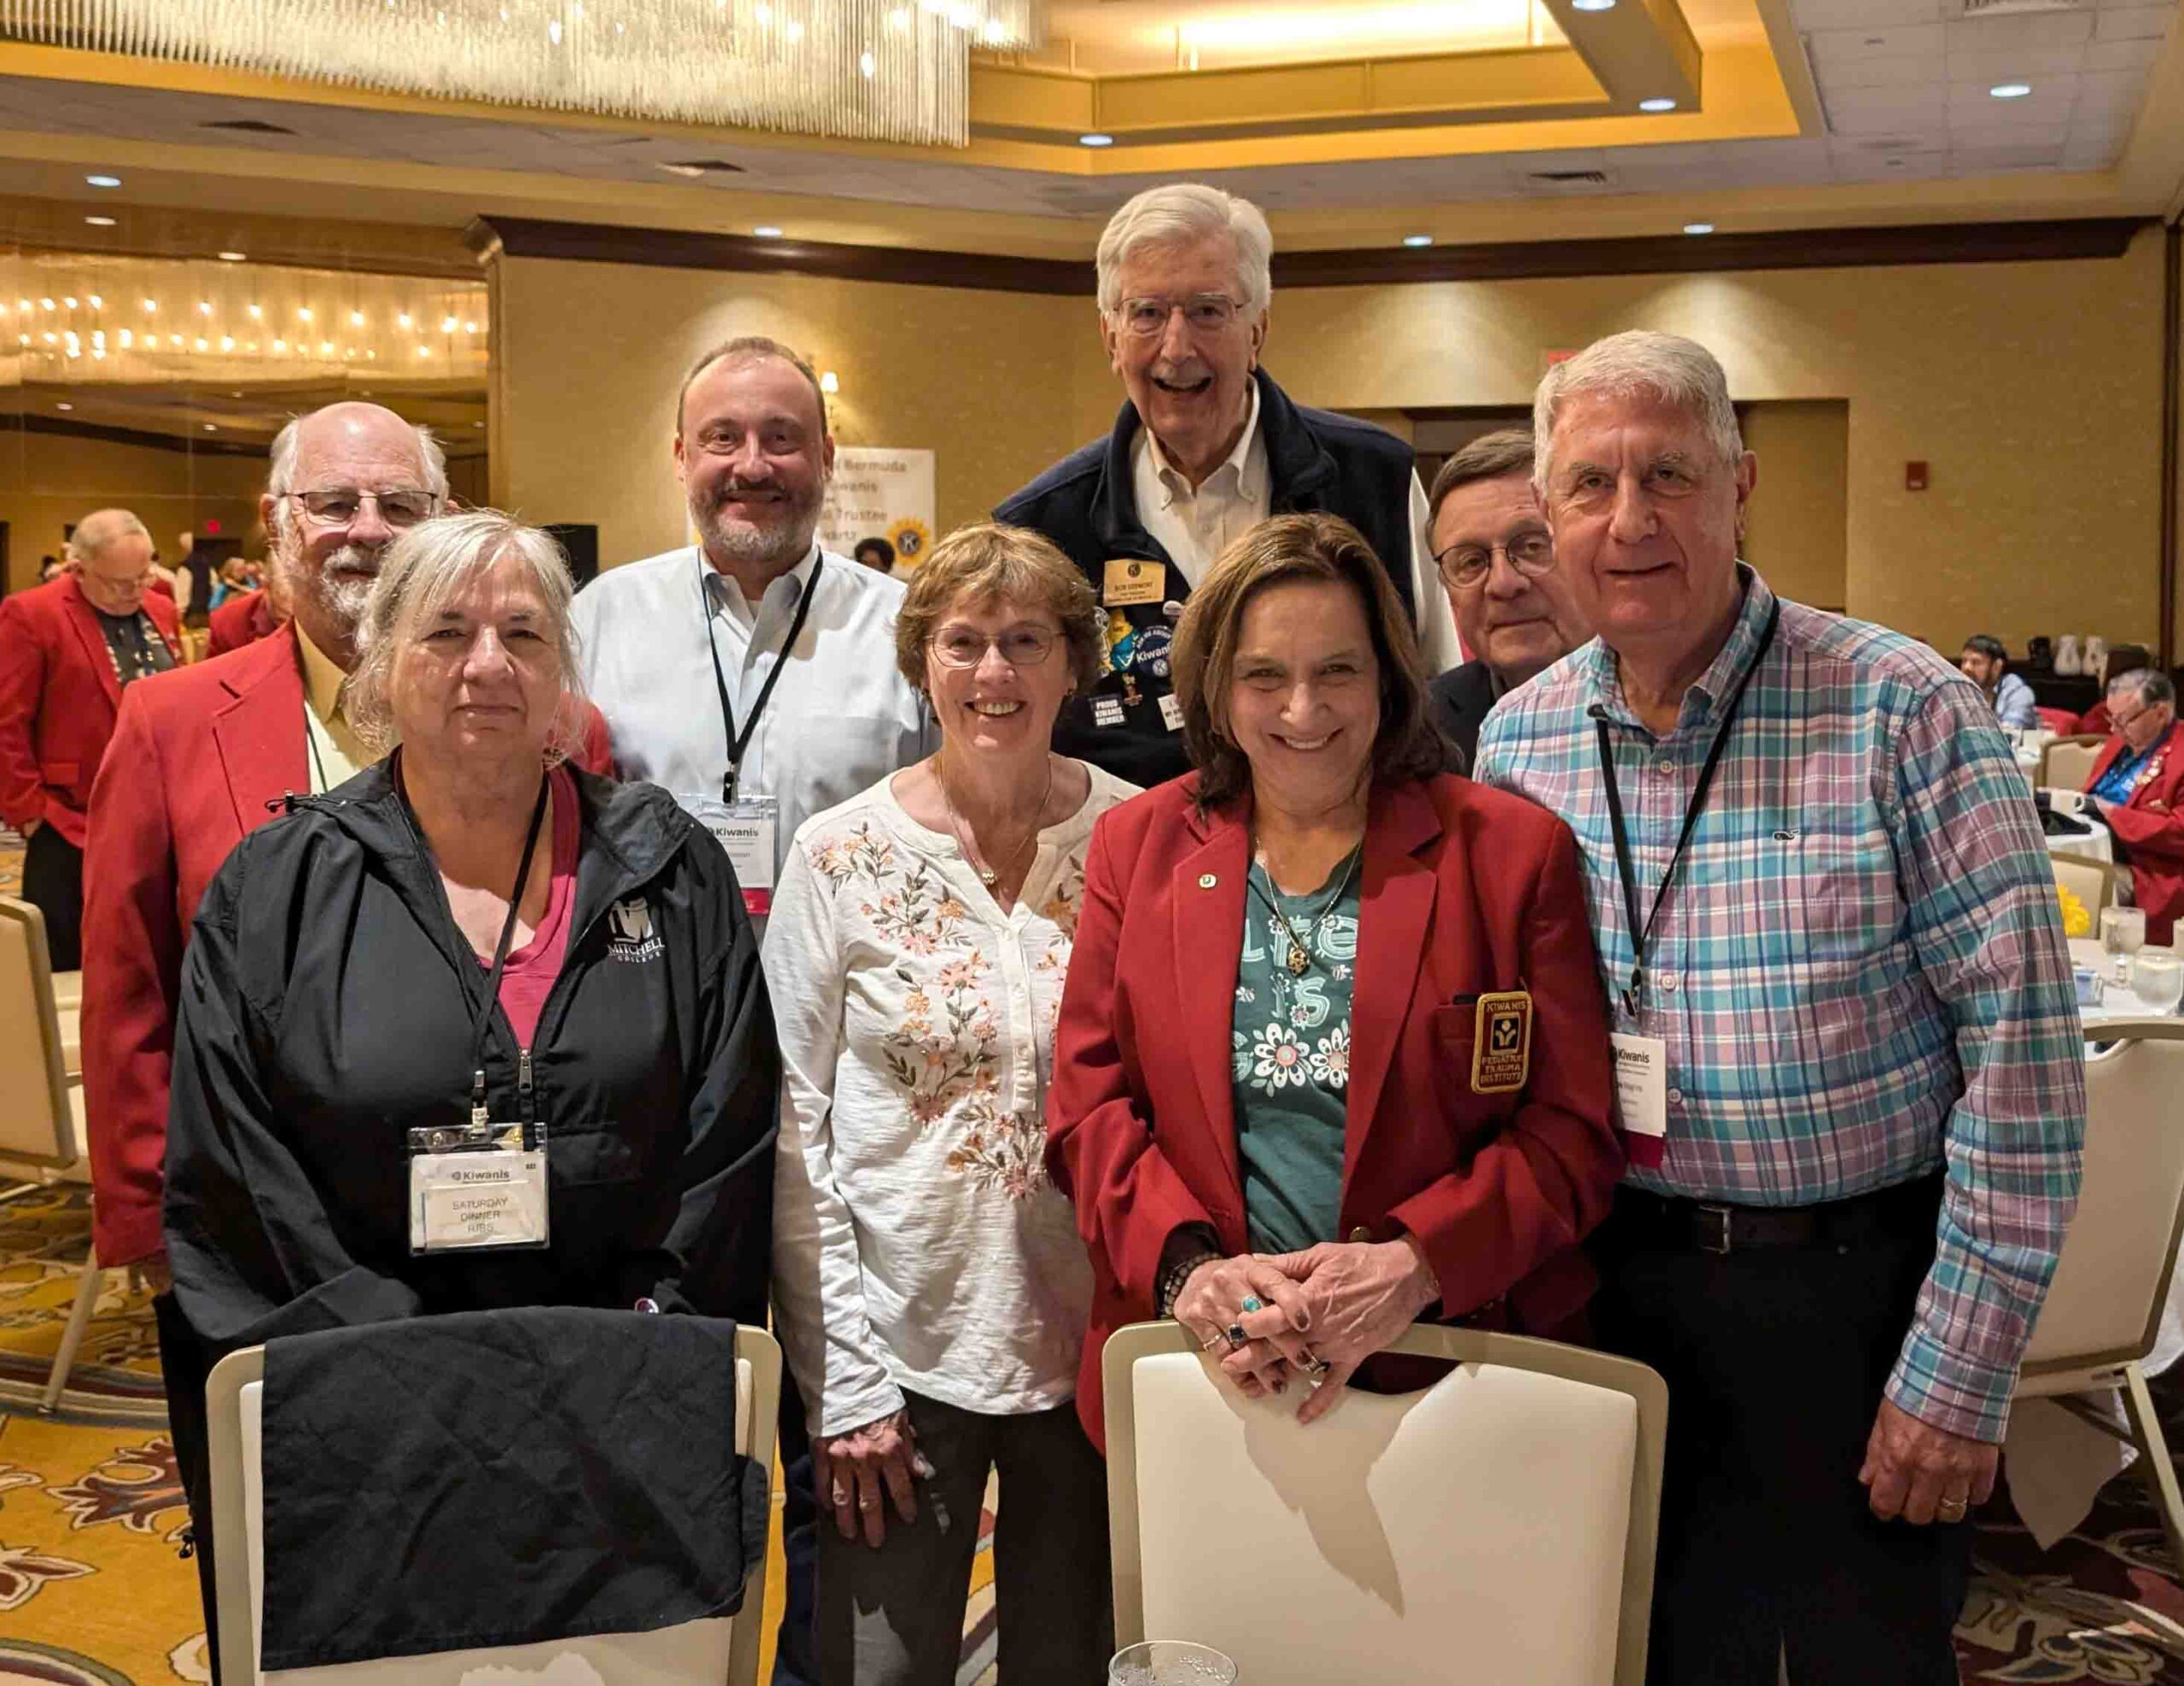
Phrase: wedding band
[1316,1365]
[841,1495]
[1951,1510]
[1236,1336]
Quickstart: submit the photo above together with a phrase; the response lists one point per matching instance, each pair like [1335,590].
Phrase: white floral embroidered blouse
[917,1242]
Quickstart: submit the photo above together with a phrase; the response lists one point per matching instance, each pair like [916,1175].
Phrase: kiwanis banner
[884,494]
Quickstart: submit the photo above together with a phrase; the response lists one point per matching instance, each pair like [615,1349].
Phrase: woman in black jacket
[475,1029]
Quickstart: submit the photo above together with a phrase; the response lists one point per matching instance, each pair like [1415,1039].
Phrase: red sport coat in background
[59,696]
[1464,891]
[211,751]
[2151,827]
[240,620]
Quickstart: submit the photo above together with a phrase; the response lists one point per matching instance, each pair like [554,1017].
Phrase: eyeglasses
[1203,313]
[340,505]
[1019,646]
[1531,554]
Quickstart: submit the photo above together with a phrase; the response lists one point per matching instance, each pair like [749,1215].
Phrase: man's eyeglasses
[340,505]
[1019,647]
[1531,554]
[1203,313]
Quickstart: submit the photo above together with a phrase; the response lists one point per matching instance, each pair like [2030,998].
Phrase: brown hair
[989,562]
[1282,548]
[1507,451]
[750,348]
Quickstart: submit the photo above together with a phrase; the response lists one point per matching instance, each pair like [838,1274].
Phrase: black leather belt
[1903,1211]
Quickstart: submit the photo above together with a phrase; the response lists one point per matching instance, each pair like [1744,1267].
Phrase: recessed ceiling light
[211,427]
[1418,239]
[767,231]
[1095,139]
[100,222]
[1698,228]
[2010,91]
[233,257]
[102,181]
[1592,5]
[64,406]
[1656,105]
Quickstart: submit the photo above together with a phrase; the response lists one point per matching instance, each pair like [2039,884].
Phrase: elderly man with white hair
[1205,447]
[1847,1046]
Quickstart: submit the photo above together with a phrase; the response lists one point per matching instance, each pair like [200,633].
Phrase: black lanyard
[739,741]
[482,1016]
[1642,936]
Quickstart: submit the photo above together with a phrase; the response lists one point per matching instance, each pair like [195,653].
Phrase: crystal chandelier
[892,70]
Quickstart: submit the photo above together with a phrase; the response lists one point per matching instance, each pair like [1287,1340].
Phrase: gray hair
[1180,212]
[1668,367]
[280,478]
[2154,687]
[97,530]
[418,573]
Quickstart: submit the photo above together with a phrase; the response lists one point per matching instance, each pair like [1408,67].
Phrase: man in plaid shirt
[1847,1043]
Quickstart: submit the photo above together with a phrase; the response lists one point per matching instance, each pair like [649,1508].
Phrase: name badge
[476,1187]
[1172,711]
[747,829]
[1502,1043]
[1129,581]
[1641,1094]
[1107,711]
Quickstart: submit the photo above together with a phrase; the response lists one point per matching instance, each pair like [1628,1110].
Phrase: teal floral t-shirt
[1292,1041]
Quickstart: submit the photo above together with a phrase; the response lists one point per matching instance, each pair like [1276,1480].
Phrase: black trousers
[183,1369]
[1775,1359]
[53,883]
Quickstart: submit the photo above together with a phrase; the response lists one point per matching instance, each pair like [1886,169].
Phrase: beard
[339,595]
[782,539]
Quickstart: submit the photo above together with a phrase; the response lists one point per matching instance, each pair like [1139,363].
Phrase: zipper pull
[478,1115]
[523,1081]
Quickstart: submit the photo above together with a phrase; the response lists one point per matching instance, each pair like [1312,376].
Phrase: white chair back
[36,1124]
[2112,1279]
[1498,1526]
[696,1654]
[2091,881]
[2067,762]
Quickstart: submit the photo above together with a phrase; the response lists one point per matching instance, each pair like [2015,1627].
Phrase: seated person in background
[1985,662]
[382,961]
[2138,787]
[1333,1053]
[1496,558]
[2124,660]
[932,1290]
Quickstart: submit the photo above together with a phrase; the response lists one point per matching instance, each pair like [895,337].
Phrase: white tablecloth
[2099,845]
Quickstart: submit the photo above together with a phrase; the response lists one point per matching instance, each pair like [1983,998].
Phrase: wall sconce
[828,383]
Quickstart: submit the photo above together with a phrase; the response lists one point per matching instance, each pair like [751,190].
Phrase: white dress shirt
[917,1242]
[1194,526]
[842,716]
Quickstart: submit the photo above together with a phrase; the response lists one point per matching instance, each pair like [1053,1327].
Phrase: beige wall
[1798,529]
[589,357]
[49,481]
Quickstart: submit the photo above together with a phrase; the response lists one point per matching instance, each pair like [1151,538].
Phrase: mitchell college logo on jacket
[629,933]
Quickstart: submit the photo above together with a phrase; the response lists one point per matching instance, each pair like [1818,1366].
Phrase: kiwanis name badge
[1501,1044]
[1127,581]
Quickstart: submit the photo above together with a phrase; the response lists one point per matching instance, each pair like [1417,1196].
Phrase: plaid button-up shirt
[1860,971]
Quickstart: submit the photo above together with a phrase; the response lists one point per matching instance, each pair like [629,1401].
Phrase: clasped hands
[1319,1314]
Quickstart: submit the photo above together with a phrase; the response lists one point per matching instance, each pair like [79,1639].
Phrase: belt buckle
[1717,1242]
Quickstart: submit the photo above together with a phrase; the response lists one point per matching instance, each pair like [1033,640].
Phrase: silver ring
[841,1496]
[1237,1338]
[1316,1366]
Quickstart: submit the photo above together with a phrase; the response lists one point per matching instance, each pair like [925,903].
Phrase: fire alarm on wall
[1914,477]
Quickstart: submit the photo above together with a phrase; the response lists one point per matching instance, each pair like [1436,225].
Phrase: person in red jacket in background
[243,619]
[2138,787]
[67,649]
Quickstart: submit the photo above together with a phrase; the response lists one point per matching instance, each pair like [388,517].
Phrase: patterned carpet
[92,1594]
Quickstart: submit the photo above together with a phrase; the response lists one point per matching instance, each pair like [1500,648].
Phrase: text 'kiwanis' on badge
[1502,1043]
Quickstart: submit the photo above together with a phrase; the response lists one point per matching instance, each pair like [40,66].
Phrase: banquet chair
[2103,1311]
[2068,762]
[41,1108]
[696,1654]
[2097,884]
[1504,1516]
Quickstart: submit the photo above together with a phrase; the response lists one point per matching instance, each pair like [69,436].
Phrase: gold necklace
[965,841]
[1299,958]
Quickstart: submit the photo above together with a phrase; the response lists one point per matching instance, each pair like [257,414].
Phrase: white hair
[1668,367]
[418,573]
[97,530]
[1183,212]
[280,478]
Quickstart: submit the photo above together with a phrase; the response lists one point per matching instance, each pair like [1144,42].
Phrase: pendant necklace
[990,876]
[1299,958]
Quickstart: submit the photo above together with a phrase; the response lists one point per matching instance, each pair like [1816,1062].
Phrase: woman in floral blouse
[931,1290]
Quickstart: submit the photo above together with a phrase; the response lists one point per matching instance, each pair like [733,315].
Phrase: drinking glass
[1171,1662]
[2157,980]
[2122,934]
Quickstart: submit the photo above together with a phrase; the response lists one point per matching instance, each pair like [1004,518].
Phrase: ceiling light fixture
[64,406]
[1095,139]
[829,382]
[100,222]
[102,181]
[2010,91]
[1698,228]
[234,256]
[767,231]
[1656,105]
[1418,239]
[1592,5]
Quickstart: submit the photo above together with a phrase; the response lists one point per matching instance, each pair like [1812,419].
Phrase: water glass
[2157,980]
[2123,933]
[1171,1662]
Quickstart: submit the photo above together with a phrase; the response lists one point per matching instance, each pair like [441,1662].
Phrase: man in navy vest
[1206,445]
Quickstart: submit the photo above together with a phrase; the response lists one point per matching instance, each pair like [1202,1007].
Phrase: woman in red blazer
[1333,1055]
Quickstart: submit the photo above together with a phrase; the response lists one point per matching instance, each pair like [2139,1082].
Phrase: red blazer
[2152,827]
[240,620]
[213,748]
[1464,890]
[58,699]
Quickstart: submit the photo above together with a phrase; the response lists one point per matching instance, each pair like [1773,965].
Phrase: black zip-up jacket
[326,1003]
